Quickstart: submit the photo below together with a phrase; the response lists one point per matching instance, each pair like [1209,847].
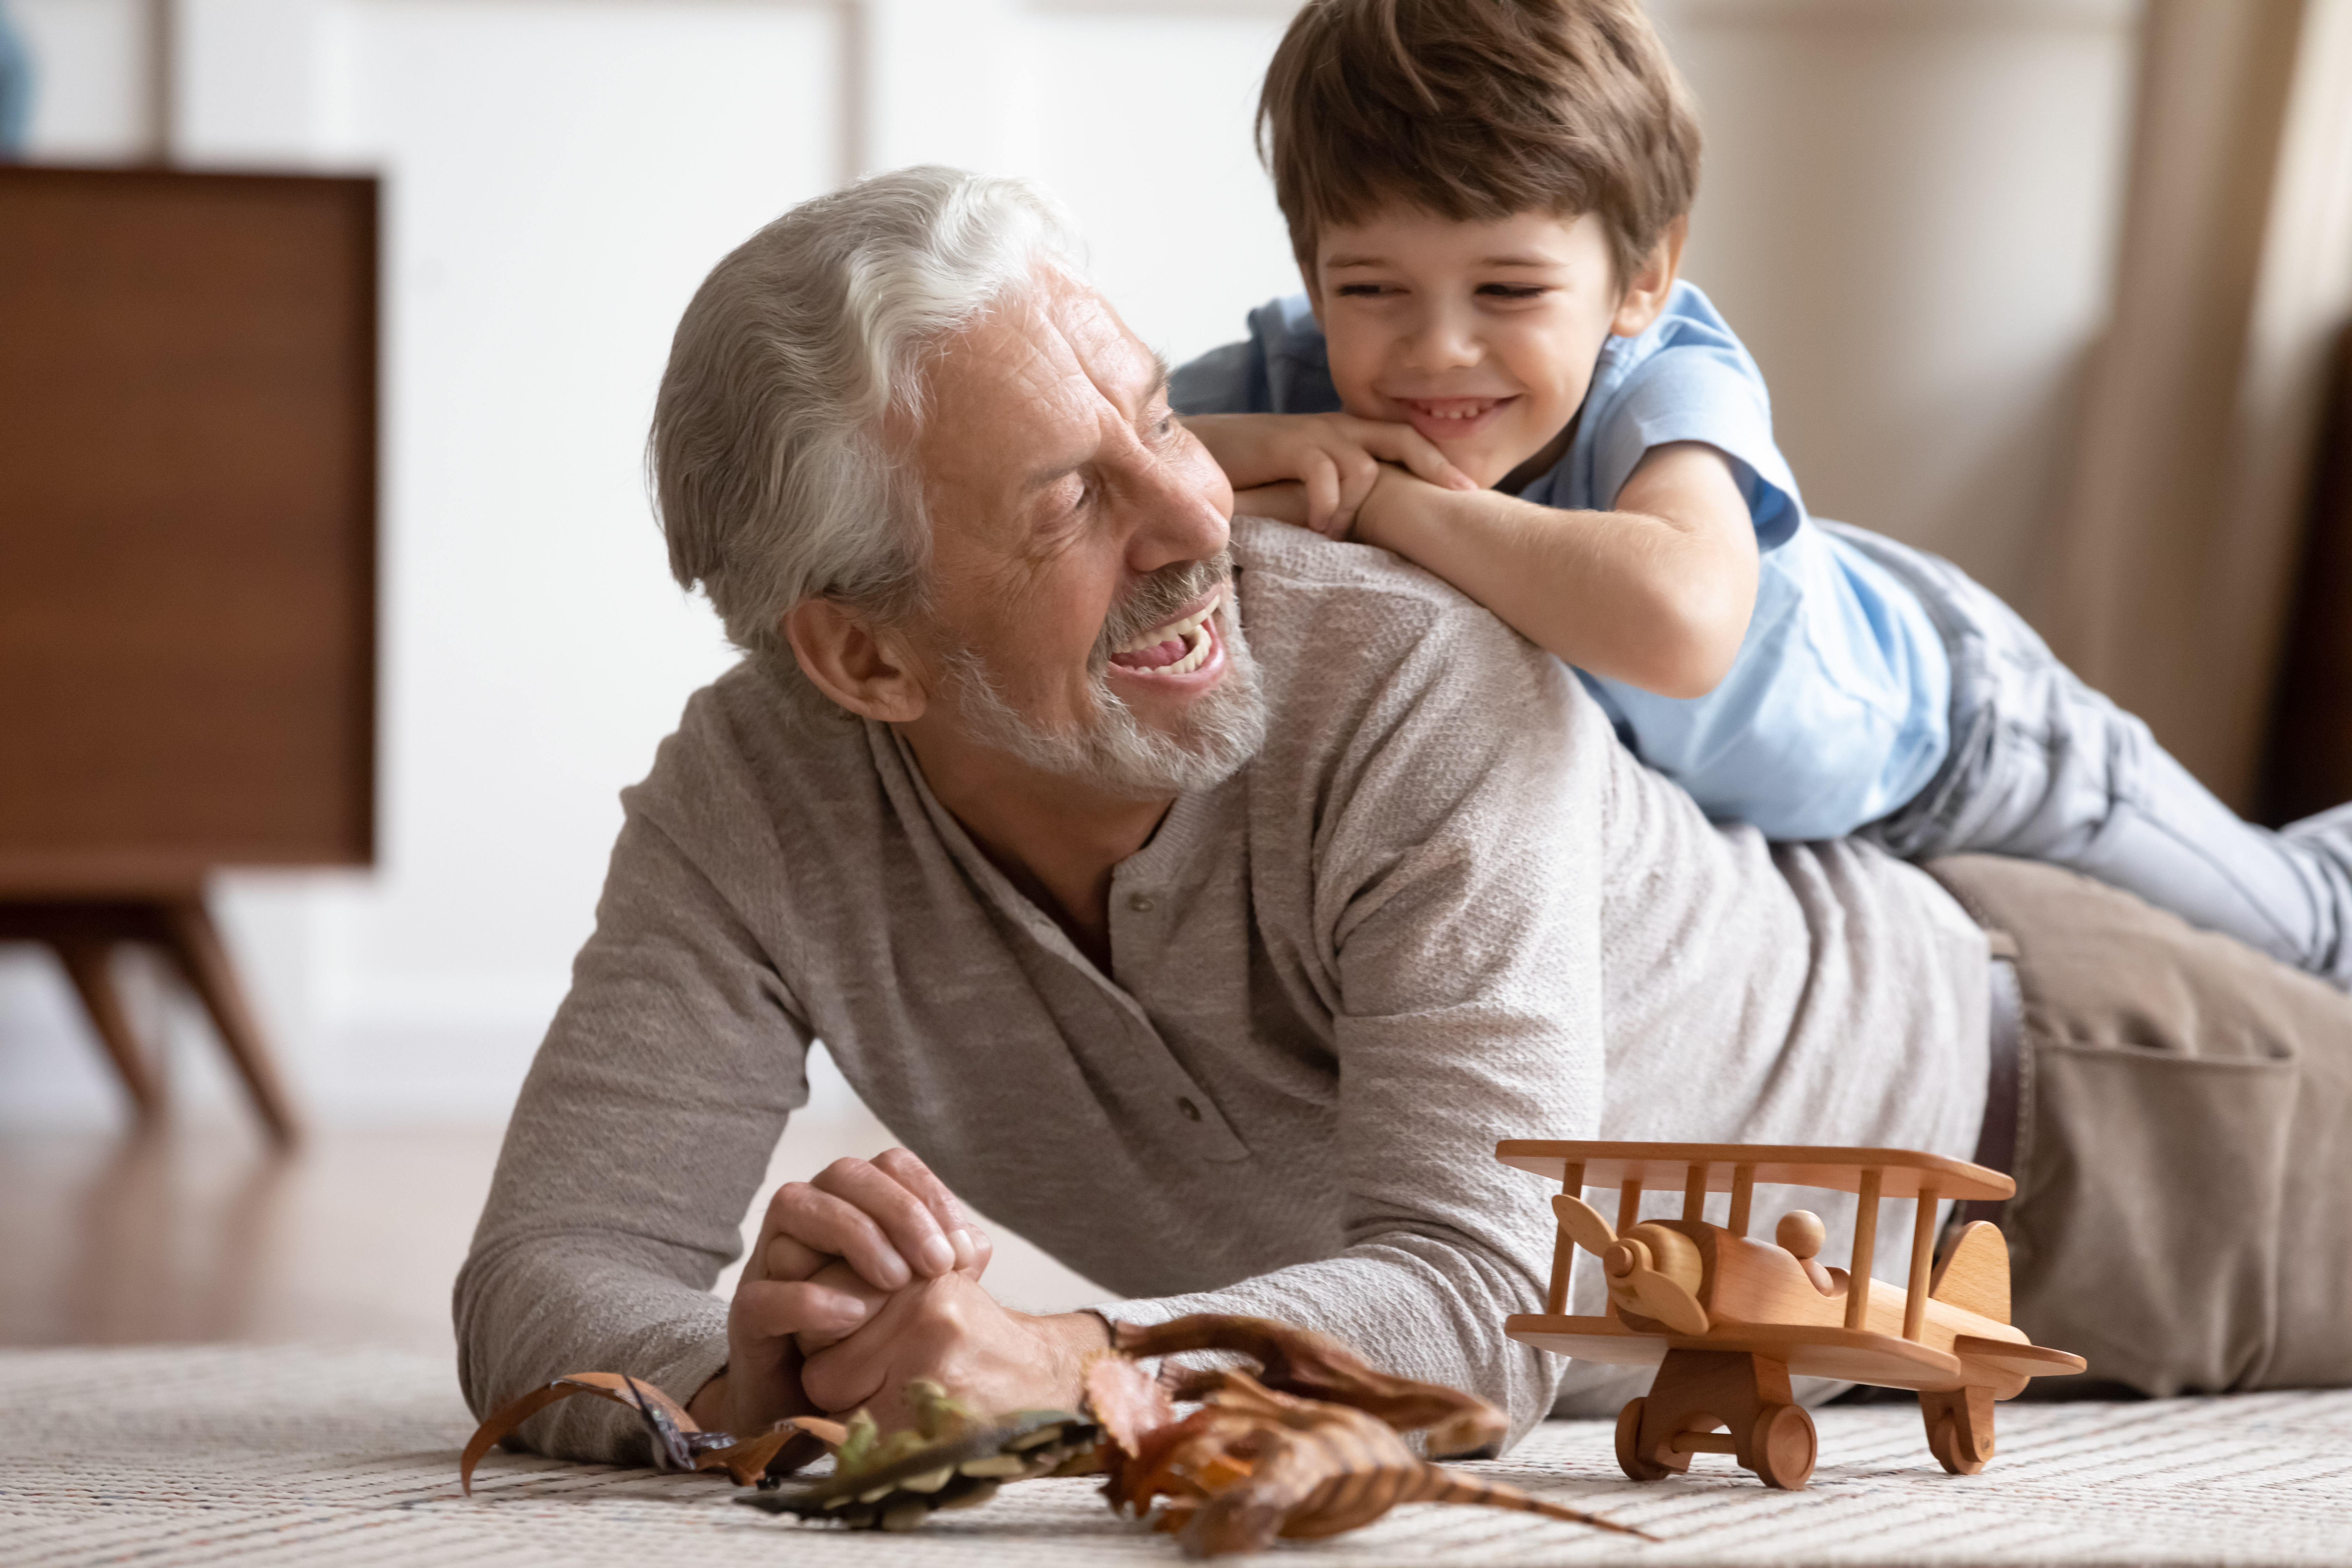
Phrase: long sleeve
[640,1141]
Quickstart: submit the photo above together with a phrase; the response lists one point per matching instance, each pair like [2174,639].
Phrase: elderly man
[1216,964]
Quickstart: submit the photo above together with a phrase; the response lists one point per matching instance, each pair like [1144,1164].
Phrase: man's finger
[907,1168]
[827,1223]
[777,1311]
[982,1249]
[788,1258]
[914,1232]
[841,1279]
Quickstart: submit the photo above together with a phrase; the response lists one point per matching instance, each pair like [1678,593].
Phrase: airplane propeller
[1636,1282]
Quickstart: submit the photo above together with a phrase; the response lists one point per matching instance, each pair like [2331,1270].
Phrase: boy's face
[1482,336]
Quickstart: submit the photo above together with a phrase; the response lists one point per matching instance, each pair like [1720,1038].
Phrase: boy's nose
[1443,341]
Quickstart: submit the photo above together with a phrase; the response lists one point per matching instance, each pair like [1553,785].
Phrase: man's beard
[1113,751]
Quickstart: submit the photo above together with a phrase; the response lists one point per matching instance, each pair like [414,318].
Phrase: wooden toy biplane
[1727,1321]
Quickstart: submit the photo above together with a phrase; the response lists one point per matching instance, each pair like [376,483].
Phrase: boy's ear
[1646,292]
[866,668]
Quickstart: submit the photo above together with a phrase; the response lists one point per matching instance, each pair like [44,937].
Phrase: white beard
[1113,751]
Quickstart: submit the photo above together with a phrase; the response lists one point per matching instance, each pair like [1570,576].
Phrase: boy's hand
[1334,460]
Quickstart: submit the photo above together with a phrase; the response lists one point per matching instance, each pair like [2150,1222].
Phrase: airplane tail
[1974,1275]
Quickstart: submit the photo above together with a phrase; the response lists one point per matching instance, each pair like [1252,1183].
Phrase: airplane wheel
[1953,1452]
[1629,1439]
[1959,1427]
[1783,1442]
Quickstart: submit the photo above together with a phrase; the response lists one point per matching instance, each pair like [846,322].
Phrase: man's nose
[1177,517]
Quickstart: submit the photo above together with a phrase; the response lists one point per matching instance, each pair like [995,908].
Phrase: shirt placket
[1193,1118]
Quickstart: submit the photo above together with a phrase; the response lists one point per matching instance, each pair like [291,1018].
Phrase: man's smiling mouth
[1178,647]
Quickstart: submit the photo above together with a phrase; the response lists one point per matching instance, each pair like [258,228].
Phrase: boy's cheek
[1351,377]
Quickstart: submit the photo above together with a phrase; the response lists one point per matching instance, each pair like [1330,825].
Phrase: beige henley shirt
[1444,906]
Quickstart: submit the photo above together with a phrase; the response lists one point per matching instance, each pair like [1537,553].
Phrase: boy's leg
[2183,1214]
[2043,768]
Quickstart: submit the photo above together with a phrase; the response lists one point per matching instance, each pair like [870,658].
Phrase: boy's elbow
[1692,652]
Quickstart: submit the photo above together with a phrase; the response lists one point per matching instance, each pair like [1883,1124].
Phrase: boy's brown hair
[1476,110]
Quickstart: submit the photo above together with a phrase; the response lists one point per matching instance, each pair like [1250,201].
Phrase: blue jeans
[2043,768]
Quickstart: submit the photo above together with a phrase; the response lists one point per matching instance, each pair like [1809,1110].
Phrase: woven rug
[294,1455]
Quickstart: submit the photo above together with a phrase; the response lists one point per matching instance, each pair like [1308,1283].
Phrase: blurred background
[2051,286]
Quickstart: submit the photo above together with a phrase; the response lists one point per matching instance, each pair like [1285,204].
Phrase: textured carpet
[338,1457]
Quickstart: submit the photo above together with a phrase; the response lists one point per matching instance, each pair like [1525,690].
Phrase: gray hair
[771,473]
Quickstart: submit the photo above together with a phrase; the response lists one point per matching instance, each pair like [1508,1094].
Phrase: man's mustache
[1157,600]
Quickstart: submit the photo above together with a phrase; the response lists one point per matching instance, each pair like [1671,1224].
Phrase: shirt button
[1139,902]
[1192,1111]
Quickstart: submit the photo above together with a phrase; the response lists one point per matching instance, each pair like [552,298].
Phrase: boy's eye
[1362,291]
[1512,290]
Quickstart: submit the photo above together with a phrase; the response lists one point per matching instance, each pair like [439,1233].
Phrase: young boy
[1496,373]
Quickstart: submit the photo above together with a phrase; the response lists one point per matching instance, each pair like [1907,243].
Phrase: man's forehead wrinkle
[1117,363]
[987,386]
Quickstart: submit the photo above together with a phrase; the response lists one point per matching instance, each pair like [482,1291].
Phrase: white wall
[1906,213]
[558,176]
[94,101]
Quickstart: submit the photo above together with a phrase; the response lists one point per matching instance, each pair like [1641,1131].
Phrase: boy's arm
[1655,593]
[1335,456]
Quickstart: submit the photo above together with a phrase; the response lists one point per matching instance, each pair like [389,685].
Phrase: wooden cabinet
[188,556]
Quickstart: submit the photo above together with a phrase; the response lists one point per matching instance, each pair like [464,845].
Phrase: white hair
[771,473]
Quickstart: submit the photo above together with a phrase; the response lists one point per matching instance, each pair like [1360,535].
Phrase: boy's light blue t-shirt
[1836,710]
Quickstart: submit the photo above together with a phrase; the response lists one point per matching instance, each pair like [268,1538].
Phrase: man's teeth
[1171,632]
[1191,661]
[1189,633]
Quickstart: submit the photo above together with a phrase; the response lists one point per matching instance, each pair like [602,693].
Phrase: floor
[313,1457]
[202,1234]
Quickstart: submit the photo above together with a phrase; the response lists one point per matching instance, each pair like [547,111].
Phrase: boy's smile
[1482,336]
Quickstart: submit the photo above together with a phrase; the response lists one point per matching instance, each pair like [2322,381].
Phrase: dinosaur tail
[1435,1483]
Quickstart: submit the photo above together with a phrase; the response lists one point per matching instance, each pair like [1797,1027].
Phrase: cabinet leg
[194,945]
[85,960]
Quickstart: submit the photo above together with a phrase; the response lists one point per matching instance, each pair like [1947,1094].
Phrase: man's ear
[865,668]
[1646,292]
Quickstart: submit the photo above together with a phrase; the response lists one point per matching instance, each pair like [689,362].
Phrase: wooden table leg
[85,960]
[194,944]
